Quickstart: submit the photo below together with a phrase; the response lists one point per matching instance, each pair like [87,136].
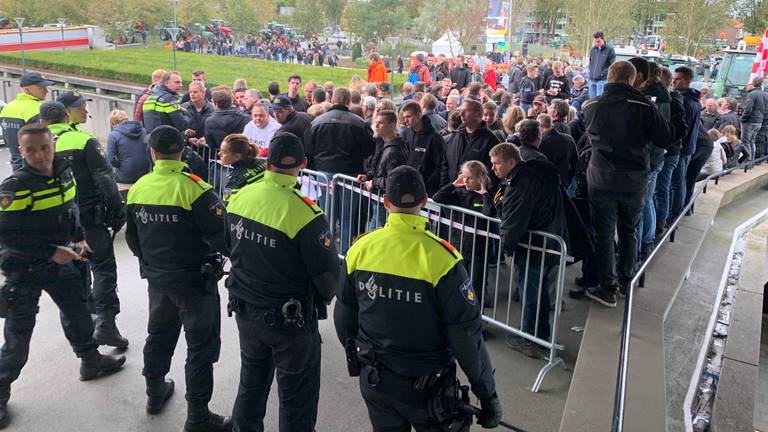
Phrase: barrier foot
[547,367]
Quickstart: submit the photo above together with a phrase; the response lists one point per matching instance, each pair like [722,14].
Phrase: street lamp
[20,23]
[393,41]
[61,24]
[174,31]
[175,3]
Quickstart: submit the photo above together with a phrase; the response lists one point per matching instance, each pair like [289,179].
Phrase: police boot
[159,390]
[96,365]
[107,333]
[201,419]
[4,417]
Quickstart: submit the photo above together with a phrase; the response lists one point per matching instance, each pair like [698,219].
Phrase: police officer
[176,229]
[406,308]
[284,273]
[238,152]
[40,238]
[22,111]
[77,112]
[163,107]
[101,210]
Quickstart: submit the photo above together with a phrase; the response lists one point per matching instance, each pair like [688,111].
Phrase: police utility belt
[291,313]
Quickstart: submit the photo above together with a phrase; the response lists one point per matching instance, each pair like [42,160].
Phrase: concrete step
[590,399]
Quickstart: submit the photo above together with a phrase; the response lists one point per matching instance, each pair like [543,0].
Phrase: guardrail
[620,393]
[517,299]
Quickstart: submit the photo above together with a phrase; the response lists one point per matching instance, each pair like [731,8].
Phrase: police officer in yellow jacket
[176,226]
[406,310]
[22,111]
[101,210]
[284,271]
[40,238]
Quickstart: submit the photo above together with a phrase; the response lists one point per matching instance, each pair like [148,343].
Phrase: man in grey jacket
[601,56]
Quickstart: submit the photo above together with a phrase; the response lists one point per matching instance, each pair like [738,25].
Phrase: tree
[241,15]
[589,16]
[754,14]
[644,12]
[333,9]
[465,19]
[693,20]
[373,21]
[548,13]
[307,18]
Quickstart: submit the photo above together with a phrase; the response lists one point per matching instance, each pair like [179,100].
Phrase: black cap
[405,187]
[34,78]
[72,99]
[281,102]
[283,145]
[165,140]
[53,111]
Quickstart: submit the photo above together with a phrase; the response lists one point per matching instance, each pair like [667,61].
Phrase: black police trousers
[103,295]
[200,314]
[295,356]
[393,404]
[63,284]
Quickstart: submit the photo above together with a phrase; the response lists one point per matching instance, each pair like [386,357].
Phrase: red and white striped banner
[761,61]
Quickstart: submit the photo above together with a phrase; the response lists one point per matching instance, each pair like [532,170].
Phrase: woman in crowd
[126,151]
[238,152]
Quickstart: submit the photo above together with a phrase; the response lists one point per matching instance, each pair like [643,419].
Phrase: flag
[761,60]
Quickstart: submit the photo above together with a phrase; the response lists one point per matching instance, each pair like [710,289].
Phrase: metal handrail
[620,393]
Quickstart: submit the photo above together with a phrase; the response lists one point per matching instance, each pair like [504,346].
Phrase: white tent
[447,45]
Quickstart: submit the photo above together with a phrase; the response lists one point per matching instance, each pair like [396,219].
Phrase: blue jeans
[525,107]
[663,183]
[346,212]
[596,88]
[539,328]
[646,229]
[677,189]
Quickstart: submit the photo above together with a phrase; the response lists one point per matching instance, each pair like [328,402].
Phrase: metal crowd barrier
[355,210]
[313,184]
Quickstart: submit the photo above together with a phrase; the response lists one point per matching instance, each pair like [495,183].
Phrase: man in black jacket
[622,125]
[726,110]
[459,74]
[225,120]
[292,121]
[559,148]
[337,143]
[424,145]
[531,201]
[472,141]
[163,107]
[755,109]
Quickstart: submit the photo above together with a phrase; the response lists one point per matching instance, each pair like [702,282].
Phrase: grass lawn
[136,65]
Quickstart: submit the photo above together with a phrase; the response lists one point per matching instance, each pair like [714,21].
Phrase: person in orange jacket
[377,72]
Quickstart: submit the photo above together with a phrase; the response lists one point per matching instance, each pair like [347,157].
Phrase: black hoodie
[461,146]
[425,153]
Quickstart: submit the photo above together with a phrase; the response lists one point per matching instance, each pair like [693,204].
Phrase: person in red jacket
[490,75]
[377,72]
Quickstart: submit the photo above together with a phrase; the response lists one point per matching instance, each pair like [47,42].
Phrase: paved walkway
[761,399]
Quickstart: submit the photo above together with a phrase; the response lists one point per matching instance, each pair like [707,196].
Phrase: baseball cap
[165,140]
[53,111]
[285,145]
[72,99]
[405,187]
[281,102]
[34,78]
[539,100]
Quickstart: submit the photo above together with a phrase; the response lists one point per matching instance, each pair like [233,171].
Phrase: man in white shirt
[262,126]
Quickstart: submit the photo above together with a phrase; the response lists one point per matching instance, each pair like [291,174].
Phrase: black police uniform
[101,209]
[175,222]
[37,214]
[19,112]
[284,268]
[163,108]
[244,172]
[406,302]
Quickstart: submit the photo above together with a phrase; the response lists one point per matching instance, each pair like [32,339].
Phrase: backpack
[414,76]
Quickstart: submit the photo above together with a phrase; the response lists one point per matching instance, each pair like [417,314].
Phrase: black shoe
[604,296]
[159,390]
[525,347]
[206,421]
[577,293]
[97,365]
[107,333]
[4,417]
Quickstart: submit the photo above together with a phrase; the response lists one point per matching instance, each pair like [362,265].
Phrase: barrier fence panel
[522,297]
[316,186]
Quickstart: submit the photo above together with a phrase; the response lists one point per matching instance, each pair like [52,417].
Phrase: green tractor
[165,35]
[733,76]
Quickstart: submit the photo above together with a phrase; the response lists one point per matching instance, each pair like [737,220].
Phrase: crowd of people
[610,151]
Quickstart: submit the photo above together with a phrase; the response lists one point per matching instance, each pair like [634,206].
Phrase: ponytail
[240,145]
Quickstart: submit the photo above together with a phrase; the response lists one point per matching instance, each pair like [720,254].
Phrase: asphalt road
[49,397]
